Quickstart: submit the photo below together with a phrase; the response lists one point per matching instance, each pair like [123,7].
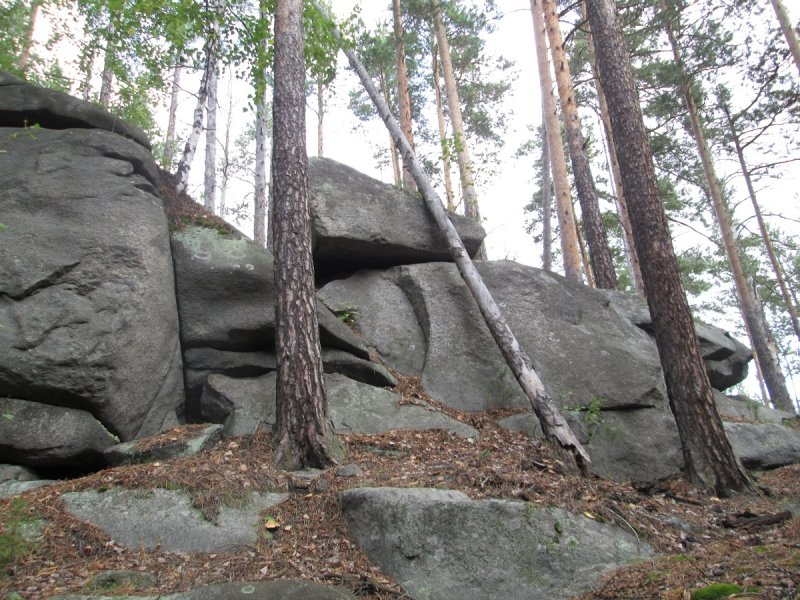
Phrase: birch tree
[210,174]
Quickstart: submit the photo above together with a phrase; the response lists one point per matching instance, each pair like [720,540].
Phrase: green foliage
[347,314]
[14,543]
[717,591]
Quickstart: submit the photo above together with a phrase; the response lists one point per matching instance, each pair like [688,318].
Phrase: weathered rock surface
[282,589]
[355,407]
[139,451]
[9,489]
[24,104]
[358,222]
[166,518]
[36,434]
[442,545]
[89,318]
[740,407]
[764,445]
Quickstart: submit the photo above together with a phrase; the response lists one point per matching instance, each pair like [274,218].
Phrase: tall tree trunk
[260,179]
[304,435]
[320,117]
[599,252]
[226,151]
[185,164]
[619,191]
[465,166]
[398,179]
[555,428]
[169,141]
[570,251]
[788,30]
[761,336]
[773,258]
[547,200]
[708,456]
[437,90]
[87,66]
[403,94]
[107,77]
[210,175]
[25,55]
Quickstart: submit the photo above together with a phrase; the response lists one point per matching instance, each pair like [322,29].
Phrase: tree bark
[25,55]
[226,152]
[762,226]
[547,200]
[788,30]
[260,177]
[403,94]
[570,251]
[708,456]
[185,164]
[107,77]
[465,166]
[210,175]
[398,178]
[554,426]
[437,90]
[320,117]
[304,435]
[760,334]
[169,141]
[599,252]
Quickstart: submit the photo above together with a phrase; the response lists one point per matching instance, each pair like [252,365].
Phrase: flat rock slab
[442,545]
[131,453]
[260,590]
[355,407]
[764,445]
[9,489]
[166,518]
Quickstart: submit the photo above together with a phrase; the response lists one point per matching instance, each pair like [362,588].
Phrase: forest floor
[750,540]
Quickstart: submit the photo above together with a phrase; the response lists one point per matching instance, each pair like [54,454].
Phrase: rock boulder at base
[41,435]
[148,518]
[441,545]
[359,222]
[764,445]
[89,317]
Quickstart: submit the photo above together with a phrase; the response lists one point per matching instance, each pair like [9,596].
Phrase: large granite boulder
[441,545]
[358,222]
[87,304]
[226,302]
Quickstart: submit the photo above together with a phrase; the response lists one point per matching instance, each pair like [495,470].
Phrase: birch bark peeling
[570,251]
[599,252]
[555,428]
[210,174]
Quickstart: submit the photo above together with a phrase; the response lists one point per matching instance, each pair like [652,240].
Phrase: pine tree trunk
[260,178]
[708,456]
[762,226]
[555,428]
[304,435]
[599,252]
[398,179]
[547,199]
[185,164]
[169,141]
[570,251]
[788,30]
[210,175]
[25,55]
[437,91]
[403,94]
[761,337]
[465,166]
[320,117]
[634,270]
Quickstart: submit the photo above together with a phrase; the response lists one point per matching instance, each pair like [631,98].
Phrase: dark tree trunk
[304,435]
[709,458]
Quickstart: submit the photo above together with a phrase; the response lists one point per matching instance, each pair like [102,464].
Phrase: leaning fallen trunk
[555,428]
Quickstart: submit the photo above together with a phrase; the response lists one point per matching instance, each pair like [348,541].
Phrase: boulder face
[358,222]
[86,285]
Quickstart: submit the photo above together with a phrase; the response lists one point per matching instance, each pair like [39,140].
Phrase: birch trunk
[226,152]
[210,175]
[260,179]
[761,336]
[437,90]
[547,201]
[320,117]
[185,164]
[25,55]
[403,94]
[788,30]
[554,426]
[107,77]
[708,456]
[465,166]
[570,251]
[169,142]
[599,252]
